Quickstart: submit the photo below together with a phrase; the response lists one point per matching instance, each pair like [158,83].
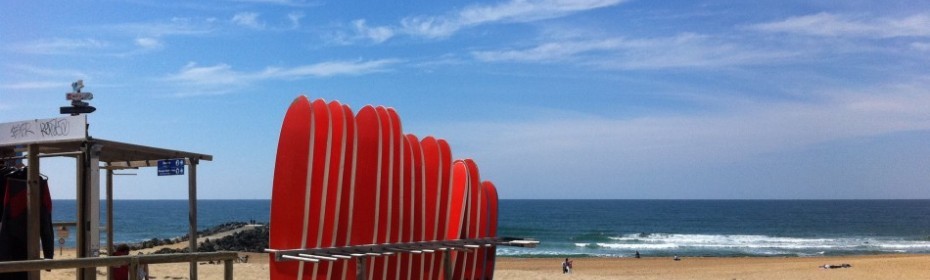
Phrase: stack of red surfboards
[346,179]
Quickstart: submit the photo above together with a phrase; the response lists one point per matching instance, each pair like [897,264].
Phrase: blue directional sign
[170,167]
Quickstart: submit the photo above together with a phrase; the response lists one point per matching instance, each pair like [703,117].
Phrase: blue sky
[553,99]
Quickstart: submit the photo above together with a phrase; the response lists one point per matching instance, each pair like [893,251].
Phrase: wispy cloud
[248,19]
[32,85]
[549,52]
[287,3]
[920,46]
[609,148]
[49,72]
[149,43]
[294,18]
[332,68]
[174,26]
[512,11]
[683,50]
[442,26]
[21,77]
[57,46]
[834,25]
[222,78]
[375,34]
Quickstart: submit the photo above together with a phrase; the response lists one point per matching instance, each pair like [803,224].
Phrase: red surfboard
[315,209]
[398,194]
[307,208]
[406,225]
[432,178]
[445,189]
[333,193]
[467,265]
[289,187]
[455,223]
[367,180]
[378,266]
[332,185]
[346,197]
[418,214]
[490,192]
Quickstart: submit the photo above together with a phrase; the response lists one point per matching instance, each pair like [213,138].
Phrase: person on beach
[637,254]
[565,266]
[143,270]
[121,272]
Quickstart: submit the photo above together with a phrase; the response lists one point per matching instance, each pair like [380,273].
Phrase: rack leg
[447,264]
[361,272]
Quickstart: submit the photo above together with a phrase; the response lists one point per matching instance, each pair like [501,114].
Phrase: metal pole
[192,215]
[33,192]
[81,213]
[92,205]
[109,220]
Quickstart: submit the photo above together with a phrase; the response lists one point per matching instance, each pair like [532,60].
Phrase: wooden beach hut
[67,136]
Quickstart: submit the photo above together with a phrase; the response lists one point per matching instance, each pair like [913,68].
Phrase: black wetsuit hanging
[13,222]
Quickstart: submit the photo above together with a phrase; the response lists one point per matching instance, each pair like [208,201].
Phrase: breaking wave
[666,244]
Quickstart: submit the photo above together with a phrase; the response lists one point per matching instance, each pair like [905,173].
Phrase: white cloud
[599,146]
[248,19]
[547,52]
[174,26]
[832,25]
[32,85]
[331,68]
[50,72]
[295,17]
[288,3]
[222,78]
[683,50]
[149,43]
[59,46]
[375,34]
[511,11]
[921,46]
[441,26]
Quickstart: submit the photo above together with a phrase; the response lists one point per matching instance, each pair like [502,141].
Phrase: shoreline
[892,266]
[882,266]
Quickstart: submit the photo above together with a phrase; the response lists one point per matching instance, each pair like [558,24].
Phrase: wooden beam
[15,266]
[192,214]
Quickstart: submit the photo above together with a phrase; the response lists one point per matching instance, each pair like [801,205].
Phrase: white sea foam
[711,244]
[758,244]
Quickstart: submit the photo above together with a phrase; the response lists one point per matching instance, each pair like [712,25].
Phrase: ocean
[619,228]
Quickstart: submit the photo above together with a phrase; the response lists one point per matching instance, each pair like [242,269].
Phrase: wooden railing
[132,261]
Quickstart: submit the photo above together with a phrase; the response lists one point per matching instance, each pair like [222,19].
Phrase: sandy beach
[863,267]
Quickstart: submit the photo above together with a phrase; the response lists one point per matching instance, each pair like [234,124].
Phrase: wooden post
[228,270]
[33,194]
[133,269]
[192,214]
[109,220]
